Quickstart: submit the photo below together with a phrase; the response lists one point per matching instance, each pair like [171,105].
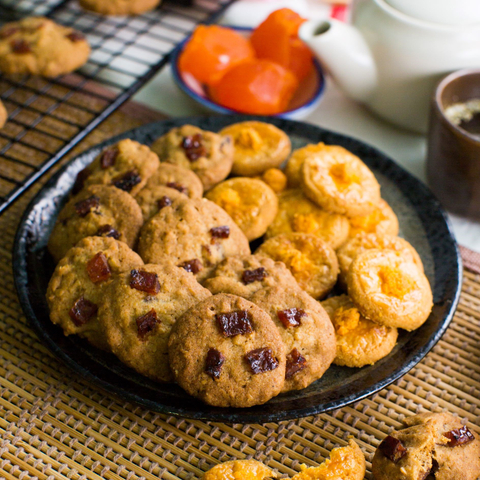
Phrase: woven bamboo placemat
[54,425]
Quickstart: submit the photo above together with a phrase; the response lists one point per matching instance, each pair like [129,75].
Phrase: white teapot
[395,51]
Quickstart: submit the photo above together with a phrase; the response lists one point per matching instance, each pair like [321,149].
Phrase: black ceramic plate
[423,223]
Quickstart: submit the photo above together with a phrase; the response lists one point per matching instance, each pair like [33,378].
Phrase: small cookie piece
[192,230]
[240,470]
[78,285]
[208,154]
[381,221]
[389,289]
[258,147]
[119,7]
[275,179]
[294,166]
[245,275]
[3,115]
[360,341]
[251,203]
[306,331]
[152,200]
[340,182]
[311,260]
[39,46]
[139,311]
[126,165]
[431,445]
[345,463]
[96,210]
[296,213]
[228,352]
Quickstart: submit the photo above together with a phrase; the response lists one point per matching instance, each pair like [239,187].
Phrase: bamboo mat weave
[54,425]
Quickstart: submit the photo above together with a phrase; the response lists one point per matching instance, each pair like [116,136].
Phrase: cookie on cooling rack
[240,470]
[119,7]
[3,115]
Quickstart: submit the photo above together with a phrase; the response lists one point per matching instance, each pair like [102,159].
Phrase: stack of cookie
[163,276]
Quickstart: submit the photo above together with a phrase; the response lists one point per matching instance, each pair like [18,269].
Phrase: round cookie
[306,331]
[251,203]
[245,275]
[258,147]
[340,182]
[39,46]
[208,154]
[78,285]
[381,221]
[311,260]
[296,213]
[119,7]
[194,230]
[3,115]
[141,307]
[228,352]
[431,445]
[360,341]
[96,210]
[152,200]
[293,170]
[389,289]
[240,470]
[126,165]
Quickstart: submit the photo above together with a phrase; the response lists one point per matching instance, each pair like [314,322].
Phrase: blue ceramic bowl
[305,100]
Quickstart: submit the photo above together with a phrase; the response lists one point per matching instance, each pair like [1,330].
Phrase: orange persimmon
[211,51]
[256,86]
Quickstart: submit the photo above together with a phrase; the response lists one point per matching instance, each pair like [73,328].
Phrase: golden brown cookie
[360,341]
[152,200]
[208,154]
[3,115]
[275,179]
[381,221]
[240,470]
[79,283]
[194,232]
[227,352]
[431,445]
[258,147]
[251,203]
[340,182]
[96,210]
[389,288]
[306,331]
[119,7]
[311,260]
[139,311]
[296,213]
[40,46]
[294,166]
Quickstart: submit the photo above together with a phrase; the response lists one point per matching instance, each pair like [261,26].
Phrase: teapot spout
[343,51]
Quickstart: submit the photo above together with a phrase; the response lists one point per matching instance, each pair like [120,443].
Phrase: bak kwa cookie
[250,202]
[389,289]
[79,282]
[240,470]
[360,341]
[208,154]
[311,260]
[119,7]
[258,147]
[139,311]
[306,331]
[96,210]
[381,221]
[152,200]
[430,445]
[39,46]
[3,115]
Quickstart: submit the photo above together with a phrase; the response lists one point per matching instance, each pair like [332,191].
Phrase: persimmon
[211,51]
[256,86]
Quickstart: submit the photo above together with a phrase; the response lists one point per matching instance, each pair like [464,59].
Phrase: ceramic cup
[453,155]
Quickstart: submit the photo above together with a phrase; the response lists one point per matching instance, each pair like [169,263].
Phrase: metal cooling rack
[48,117]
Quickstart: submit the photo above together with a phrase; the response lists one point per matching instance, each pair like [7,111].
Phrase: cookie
[126,165]
[208,154]
[227,352]
[293,170]
[258,147]
[240,470]
[340,182]
[39,46]
[119,7]
[388,288]
[275,179]
[3,115]
[96,210]
[311,260]
[245,275]
[251,203]
[139,311]
[152,200]
[360,341]
[306,331]
[196,232]
[431,445]
[381,221]
[79,282]
[296,213]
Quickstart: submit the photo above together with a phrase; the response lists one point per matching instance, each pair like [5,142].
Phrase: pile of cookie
[162,275]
